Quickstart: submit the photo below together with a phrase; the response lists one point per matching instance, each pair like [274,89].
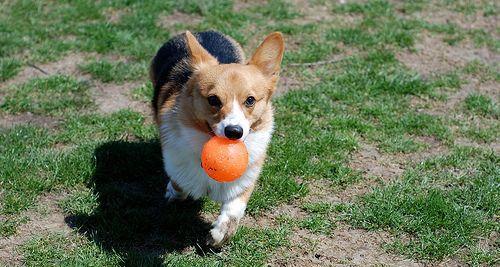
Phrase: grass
[143,92]
[486,134]
[249,246]
[106,71]
[9,227]
[483,71]
[52,96]
[108,166]
[80,201]
[379,27]
[319,220]
[56,249]
[278,10]
[481,105]
[8,68]
[443,205]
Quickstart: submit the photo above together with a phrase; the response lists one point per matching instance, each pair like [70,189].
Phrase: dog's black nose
[233,132]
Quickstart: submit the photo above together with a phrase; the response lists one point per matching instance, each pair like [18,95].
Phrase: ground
[385,152]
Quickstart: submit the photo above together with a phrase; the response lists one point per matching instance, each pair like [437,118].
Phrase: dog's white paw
[222,232]
[216,237]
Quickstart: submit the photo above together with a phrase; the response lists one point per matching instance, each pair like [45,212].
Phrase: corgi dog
[204,87]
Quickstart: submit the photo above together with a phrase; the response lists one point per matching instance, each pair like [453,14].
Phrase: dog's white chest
[181,149]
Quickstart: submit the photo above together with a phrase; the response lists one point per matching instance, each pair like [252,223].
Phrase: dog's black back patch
[174,54]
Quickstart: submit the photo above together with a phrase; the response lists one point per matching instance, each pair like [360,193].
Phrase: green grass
[80,201]
[59,250]
[448,81]
[481,105]
[486,134]
[278,10]
[8,68]
[53,95]
[318,224]
[29,150]
[441,206]
[319,220]
[106,71]
[9,226]
[250,246]
[117,126]
[143,92]
[109,165]
[379,27]
[483,71]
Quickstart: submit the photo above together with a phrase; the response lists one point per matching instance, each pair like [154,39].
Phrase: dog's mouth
[209,129]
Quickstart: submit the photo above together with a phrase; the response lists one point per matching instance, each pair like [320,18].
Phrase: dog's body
[204,88]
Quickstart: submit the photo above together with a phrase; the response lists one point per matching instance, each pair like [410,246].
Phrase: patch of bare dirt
[51,220]
[435,12]
[371,162]
[378,168]
[319,12]
[312,12]
[108,97]
[268,219]
[476,21]
[375,167]
[287,83]
[114,15]
[67,66]
[455,99]
[321,191]
[244,4]
[435,148]
[345,246]
[442,57]
[113,97]
[495,146]
[309,11]
[9,121]
[169,21]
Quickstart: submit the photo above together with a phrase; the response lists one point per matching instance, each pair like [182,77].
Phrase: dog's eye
[250,101]
[214,101]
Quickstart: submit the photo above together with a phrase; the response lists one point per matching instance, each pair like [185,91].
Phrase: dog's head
[232,99]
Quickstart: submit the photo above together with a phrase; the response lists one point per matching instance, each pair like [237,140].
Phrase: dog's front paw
[222,232]
[216,238]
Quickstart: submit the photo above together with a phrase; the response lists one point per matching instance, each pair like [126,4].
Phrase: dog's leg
[227,223]
[174,192]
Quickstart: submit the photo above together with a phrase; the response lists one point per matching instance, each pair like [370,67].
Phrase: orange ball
[224,160]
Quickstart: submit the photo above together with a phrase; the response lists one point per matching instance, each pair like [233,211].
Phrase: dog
[204,87]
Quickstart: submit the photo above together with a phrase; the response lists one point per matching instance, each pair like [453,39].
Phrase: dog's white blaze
[235,117]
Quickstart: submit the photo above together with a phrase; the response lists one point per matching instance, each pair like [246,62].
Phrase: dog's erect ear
[269,54]
[199,56]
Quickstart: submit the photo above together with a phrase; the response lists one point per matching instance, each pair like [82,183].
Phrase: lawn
[385,151]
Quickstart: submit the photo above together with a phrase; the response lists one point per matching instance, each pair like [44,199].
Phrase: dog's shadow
[132,218]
